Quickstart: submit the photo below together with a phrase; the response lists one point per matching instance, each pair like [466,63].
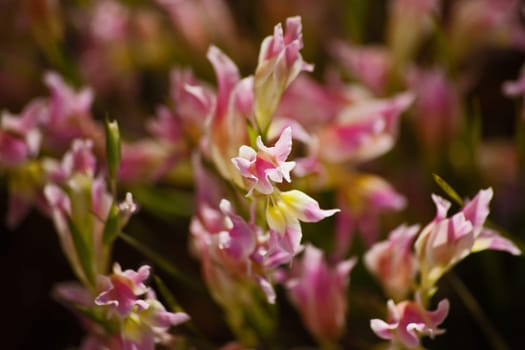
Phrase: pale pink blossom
[362,199]
[408,321]
[446,241]
[266,165]
[363,130]
[319,292]
[20,136]
[228,246]
[393,263]
[69,115]
[121,289]
[371,65]
[202,22]
[233,107]
[279,64]
[311,103]
[436,107]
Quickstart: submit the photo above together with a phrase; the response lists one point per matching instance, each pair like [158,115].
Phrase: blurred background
[455,55]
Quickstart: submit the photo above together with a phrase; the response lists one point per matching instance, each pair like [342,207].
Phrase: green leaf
[112,227]
[448,189]
[83,252]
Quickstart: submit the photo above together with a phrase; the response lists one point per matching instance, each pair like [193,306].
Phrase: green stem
[160,261]
[495,339]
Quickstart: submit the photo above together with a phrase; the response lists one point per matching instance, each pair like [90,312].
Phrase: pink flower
[436,108]
[393,263]
[20,136]
[79,203]
[121,289]
[234,104]
[279,64]
[192,103]
[69,114]
[319,292]
[149,325]
[362,199]
[201,22]
[268,163]
[286,209]
[145,161]
[408,321]
[371,65]
[311,103]
[446,241]
[363,130]
[110,22]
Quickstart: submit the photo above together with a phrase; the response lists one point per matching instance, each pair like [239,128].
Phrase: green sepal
[113,150]
[112,226]
[83,252]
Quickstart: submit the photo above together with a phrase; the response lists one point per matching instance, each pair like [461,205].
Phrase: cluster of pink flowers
[264,156]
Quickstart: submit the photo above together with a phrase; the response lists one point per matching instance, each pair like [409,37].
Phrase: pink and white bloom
[408,321]
[319,292]
[79,200]
[230,248]
[149,325]
[284,212]
[279,64]
[69,115]
[446,241]
[393,263]
[121,289]
[267,164]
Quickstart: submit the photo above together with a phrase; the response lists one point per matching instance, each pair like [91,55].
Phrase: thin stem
[160,261]
[496,340]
